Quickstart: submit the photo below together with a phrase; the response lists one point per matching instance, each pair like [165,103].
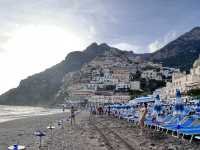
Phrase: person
[63,108]
[154,118]
[109,110]
[100,110]
[72,115]
[143,113]
[92,109]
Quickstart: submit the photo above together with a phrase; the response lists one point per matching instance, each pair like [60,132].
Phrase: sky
[37,34]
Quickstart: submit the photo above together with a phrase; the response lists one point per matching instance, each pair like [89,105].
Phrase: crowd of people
[102,110]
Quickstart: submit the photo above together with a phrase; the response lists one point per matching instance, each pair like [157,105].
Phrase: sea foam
[8,113]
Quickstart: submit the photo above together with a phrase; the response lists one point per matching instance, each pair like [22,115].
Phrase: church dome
[196,63]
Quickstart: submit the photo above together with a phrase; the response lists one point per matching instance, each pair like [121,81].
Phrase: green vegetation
[135,93]
[194,93]
[180,61]
[151,85]
[147,87]
[135,76]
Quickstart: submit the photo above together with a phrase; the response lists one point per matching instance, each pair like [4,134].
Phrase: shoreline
[27,117]
[8,113]
[31,117]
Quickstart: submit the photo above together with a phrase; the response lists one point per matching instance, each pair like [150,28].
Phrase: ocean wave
[8,113]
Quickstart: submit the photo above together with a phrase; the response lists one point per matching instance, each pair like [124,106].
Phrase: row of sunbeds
[178,125]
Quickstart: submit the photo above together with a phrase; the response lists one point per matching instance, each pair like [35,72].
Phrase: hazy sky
[36,34]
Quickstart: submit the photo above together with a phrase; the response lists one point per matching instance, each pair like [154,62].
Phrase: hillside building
[182,81]
[151,74]
[122,74]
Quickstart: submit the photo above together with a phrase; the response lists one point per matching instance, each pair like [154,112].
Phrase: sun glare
[32,49]
[48,44]
[42,38]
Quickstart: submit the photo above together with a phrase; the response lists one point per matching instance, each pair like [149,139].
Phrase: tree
[134,93]
[135,76]
[194,92]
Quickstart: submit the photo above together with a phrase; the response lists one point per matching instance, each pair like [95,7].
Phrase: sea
[8,113]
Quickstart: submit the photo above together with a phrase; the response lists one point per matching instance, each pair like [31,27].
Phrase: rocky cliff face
[181,52]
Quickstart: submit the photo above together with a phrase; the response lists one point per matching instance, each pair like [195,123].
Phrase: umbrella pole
[40,145]
[157,123]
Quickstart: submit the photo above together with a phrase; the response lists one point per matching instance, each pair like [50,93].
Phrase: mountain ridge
[41,88]
[174,54]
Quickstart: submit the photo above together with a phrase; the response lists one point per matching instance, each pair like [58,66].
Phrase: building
[121,74]
[109,98]
[167,71]
[122,86]
[83,93]
[182,81]
[151,74]
[135,85]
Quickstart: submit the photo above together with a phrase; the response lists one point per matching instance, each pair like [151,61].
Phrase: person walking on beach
[72,115]
[143,113]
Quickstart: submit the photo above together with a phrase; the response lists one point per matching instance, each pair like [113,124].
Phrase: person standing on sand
[109,110]
[72,115]
[143,113]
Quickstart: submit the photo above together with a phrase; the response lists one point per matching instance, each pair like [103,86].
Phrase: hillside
[41,88]
[181,52]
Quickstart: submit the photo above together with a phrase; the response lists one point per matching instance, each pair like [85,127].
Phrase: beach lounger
[186,122]
[164,125]
[193,130]
[150,123]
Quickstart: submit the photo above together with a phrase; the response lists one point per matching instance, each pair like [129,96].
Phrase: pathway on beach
[106,133]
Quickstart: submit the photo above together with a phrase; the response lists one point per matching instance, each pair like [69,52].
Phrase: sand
[88,133]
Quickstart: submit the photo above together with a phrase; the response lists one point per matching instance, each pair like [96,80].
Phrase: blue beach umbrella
[157,105]
[39,134]
[179,106]
[128,106]
[16,147]
[157,108]
[198,107]
[119,106]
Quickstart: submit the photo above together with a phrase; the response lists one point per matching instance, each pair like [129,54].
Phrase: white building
[151,74]
[167,71]
[135,85]
[122,85]
[109,99]
[182,81]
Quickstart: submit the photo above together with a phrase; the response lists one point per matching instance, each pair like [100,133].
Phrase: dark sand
[89,133]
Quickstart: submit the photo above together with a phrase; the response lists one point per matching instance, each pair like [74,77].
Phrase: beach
[90,132]
[22,130]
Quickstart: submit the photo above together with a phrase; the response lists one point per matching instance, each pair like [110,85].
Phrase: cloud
[92,32]
[157,44]
[4,37]
[127,46]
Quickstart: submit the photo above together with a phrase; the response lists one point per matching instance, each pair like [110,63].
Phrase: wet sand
[89,133]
